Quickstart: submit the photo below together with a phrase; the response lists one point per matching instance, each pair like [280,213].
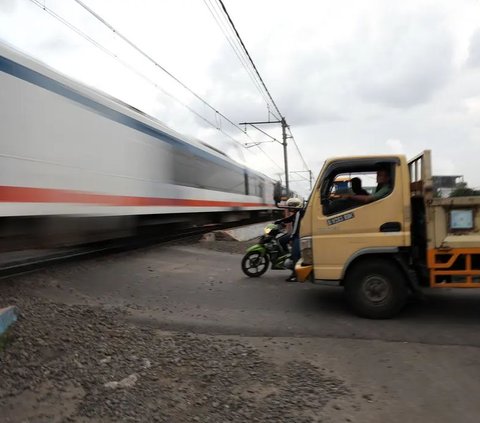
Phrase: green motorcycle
[268,250]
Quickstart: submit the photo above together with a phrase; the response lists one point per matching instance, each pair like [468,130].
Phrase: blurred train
[77,164]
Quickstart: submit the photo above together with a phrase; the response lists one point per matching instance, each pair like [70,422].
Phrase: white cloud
[8,6]
[395,146]
[351,77]
[408,61]
[474,50]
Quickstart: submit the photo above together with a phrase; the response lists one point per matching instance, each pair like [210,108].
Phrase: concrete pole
[285,154]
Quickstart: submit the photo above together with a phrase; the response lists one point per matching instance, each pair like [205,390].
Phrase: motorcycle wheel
[254,264]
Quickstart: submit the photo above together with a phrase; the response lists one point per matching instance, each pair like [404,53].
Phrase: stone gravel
[232,247]
[77,363]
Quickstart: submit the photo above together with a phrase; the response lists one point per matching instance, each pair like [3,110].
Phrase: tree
[462,190]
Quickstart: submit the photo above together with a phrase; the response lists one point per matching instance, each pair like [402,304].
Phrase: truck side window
[345,190]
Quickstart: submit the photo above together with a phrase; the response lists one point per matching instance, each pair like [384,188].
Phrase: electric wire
[131,68]
[304,178]
[250,59]
[298,149]
[151,59]
[217,16]
[148,57]
[237,50]
[262,82]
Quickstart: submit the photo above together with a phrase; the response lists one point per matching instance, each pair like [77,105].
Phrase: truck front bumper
[302,271]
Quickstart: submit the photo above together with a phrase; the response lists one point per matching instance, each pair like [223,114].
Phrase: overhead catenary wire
[135,47]
[251,61]
[51,12]
[112,54]
[239,52]
[152,60]
[298,150]
[304,178]
[280,115]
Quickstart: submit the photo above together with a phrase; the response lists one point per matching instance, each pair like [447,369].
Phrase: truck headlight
[306,248]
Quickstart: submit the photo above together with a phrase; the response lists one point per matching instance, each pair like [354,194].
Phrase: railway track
[38,260]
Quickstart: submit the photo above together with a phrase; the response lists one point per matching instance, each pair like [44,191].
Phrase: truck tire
[376,289]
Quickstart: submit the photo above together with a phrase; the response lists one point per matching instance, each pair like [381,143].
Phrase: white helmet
[294,203]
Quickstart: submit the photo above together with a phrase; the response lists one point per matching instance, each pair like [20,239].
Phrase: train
[76,164]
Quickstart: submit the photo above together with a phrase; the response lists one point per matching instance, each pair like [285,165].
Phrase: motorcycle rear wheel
[254,264]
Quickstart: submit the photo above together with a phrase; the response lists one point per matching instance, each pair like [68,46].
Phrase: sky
[350,77]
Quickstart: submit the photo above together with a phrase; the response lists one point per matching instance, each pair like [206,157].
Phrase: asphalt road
[195,289]
[423,365]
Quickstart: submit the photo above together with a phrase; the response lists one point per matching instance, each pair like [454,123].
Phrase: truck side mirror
[277,192]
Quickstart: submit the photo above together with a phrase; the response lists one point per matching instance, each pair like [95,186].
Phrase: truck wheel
[376,289]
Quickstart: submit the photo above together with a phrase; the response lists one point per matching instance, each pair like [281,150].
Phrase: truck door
[343,228]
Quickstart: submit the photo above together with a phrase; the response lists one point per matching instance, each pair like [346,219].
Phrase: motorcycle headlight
[266,231]
[306,248]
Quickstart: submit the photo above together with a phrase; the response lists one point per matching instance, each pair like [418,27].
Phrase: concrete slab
[8,316]
[245,233]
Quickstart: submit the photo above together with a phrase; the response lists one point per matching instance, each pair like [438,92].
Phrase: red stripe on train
[10,194]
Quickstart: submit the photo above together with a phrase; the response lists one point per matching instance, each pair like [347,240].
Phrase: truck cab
[382,247]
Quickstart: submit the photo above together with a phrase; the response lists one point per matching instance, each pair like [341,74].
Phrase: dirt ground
[180,335]
[85,364]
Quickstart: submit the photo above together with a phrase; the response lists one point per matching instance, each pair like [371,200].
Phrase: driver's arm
[288,219]
[359,198]
[382,192]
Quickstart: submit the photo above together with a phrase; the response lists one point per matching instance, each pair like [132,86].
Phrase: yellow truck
[384,247]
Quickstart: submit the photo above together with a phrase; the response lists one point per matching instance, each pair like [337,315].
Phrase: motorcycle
[268,250]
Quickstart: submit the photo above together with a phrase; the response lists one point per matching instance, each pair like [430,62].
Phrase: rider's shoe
[292,278]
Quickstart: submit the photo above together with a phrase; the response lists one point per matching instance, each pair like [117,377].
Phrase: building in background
[444,185]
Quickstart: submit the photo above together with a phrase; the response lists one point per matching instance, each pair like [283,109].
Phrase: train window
[197,172]
[255,185]
[260,188]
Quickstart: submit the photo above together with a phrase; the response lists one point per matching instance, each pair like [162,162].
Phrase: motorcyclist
[295,207]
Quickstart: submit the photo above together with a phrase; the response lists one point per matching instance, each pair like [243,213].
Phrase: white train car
[69,150]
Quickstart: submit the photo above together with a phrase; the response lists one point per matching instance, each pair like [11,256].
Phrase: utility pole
[285,157]
[283,122]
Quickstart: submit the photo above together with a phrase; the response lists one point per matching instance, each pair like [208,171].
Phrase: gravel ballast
[77,363]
